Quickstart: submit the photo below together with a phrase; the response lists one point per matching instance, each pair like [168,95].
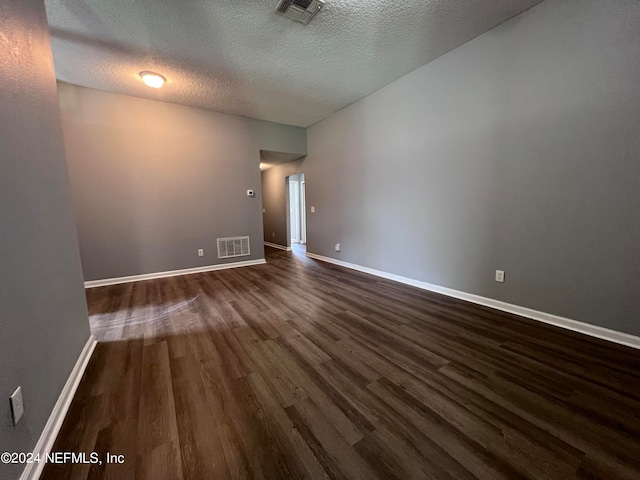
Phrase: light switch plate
[17,405]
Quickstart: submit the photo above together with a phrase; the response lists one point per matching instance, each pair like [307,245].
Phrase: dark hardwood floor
[300,369]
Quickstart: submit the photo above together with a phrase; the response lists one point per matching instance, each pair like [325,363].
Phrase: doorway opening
[297,218]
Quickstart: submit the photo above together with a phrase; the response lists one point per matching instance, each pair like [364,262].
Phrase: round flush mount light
[154,80]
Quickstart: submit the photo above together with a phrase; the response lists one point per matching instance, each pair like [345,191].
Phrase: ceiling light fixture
[154,80]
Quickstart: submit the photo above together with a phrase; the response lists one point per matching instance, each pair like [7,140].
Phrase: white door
[294,210]
[303,211]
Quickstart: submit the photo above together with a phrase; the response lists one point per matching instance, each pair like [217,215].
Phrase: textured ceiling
[237,56]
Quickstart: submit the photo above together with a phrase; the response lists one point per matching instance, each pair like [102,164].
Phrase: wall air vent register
[233,247]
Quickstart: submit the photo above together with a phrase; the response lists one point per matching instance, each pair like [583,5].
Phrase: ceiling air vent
[233,247]
[299,10]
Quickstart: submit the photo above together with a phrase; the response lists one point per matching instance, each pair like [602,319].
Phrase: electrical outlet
[500,276]
[273,234]
[264,210]
[250,193]
[338,247]
[313,209]
[200,252]
[17,406]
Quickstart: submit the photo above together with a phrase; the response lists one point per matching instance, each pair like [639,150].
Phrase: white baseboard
[275,245]
[569,324]
[171,273]
[48,437]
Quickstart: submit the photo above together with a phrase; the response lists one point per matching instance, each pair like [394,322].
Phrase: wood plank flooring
[300,369]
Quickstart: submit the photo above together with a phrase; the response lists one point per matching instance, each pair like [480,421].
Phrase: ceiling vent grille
[299,10]
[233,247]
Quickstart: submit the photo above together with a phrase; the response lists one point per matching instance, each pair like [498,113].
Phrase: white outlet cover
[200,252]
[500,276]
[338,247]
[17,405]
[313,209]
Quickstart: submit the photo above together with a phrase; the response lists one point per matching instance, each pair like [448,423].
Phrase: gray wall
[274,201]
[152,182]
[518,151]
[43,315]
